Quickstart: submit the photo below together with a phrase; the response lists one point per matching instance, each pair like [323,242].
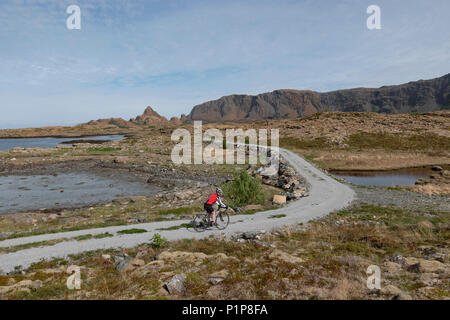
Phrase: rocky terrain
[323,259]
[437,183]
[151,117]
[403,232]
[417,96]
[148,120]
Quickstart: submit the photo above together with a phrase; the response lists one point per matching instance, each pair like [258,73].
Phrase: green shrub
[243,190]
[158,241]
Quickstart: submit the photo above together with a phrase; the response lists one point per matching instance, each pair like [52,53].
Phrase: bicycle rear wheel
[222,220]
[199,222]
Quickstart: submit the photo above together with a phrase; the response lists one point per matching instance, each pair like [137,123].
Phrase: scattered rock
[37,284]
[176,285]
[217,277]
[394,292]
[268,171]
[279,199]
[285,257]
[418,265]
[414,268]
[122,261]
[390,290]
[429,279]
[23,285]
[398,258]
[17,270]
[133,264]
[215,280]
[182,257]
[426,225]
[121,160]
[402,296]
[392,267]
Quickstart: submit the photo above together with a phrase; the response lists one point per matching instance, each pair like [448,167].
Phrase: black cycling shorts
[208,208]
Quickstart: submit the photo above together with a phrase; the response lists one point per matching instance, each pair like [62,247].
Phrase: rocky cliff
[416,96]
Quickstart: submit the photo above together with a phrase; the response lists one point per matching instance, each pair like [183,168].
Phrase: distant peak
[150,112]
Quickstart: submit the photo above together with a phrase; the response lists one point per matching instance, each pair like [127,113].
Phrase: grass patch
[389,216]
[334,256]
[103,235]
[369,141]
[102,150]
[296,143]
[275,216]
[30,245]
[51,291]
[395,142]
[65,229]
[131,231]
[84,237]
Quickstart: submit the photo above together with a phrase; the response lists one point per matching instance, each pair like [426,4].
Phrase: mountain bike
[202,221]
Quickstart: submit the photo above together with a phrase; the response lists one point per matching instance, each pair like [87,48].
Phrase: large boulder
[421,265]
[196,258]
[284,257]
[279,199]
[176,285]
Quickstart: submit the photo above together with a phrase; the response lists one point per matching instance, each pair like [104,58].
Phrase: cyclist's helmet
[219,191]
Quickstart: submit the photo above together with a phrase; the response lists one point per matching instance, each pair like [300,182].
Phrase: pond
[400,177]
[9,143]
[19,193]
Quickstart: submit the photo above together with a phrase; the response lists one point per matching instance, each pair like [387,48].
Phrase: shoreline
[427,166]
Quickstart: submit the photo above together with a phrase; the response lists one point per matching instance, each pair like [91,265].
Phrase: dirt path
[325,196]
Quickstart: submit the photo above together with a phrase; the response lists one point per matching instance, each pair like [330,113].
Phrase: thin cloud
[174,54]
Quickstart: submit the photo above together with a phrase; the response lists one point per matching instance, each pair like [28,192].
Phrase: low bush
[244,190]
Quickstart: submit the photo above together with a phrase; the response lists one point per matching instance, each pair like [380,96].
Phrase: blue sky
[173,55]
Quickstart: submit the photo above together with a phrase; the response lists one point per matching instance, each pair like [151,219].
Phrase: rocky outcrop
[110,121]
[282,176]
[417,96]
[152,118]
[438,183]
[149,117]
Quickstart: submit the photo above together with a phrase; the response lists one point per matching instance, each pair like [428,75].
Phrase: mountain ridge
[414,96]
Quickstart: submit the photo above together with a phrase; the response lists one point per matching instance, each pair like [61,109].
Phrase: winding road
[325,195]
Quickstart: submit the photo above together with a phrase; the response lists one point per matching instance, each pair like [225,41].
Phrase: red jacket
[212,199]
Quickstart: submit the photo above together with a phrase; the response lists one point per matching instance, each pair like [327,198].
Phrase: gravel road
[325,195]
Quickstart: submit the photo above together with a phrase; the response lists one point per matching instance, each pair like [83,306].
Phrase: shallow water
[67,190]
[401,177]
[9,143]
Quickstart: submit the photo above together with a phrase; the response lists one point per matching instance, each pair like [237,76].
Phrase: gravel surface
[325,195]
[402,199]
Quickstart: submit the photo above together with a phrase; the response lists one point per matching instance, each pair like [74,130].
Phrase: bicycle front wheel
[199,222]
[222,220]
